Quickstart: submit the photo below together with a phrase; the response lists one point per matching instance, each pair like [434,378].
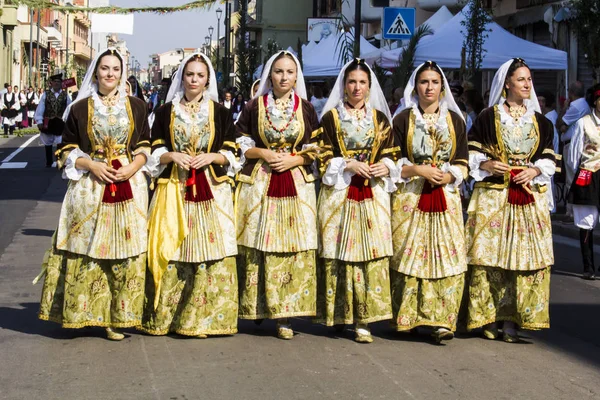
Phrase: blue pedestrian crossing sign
[398,23]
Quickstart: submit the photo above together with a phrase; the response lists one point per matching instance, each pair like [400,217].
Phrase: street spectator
[318,100]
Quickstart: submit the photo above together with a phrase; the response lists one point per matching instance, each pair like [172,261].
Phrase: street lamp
[207,43]
[210,33]
[219,13]
[68,18]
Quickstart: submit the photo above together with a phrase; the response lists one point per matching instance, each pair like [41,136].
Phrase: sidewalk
[563,226]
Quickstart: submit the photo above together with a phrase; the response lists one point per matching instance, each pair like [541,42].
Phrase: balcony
[9,15]
[54,34]
[23,32]
[434,5]
[83,19]
[82,50]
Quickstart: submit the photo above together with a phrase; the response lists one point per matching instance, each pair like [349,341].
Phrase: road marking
[13,165]
[20,149]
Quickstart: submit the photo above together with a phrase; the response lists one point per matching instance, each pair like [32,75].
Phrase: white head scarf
[496,92]
[376,97]
[265,82]
[411,100]
[177,90]
[89,86]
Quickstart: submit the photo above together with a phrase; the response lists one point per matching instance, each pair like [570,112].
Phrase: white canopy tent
[445,46]
[435,22]
[323,59]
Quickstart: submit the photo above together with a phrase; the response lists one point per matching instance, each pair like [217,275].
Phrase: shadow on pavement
[25,320]
[37,232]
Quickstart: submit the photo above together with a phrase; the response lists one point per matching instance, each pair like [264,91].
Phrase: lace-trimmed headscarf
[376,97]
[177,90]
[89,86]
[497,93]
[411,99]
[265,80]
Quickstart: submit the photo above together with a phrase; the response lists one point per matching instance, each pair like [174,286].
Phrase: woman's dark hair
[198,58]
[516,64]
[317,92]
[430,66]
[108,53]
[474,100]
[358,64]
[593,95]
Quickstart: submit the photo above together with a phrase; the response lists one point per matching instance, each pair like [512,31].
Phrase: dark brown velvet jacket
[332,136]
[404,129]
[484,135]
[78,129]
[249,125]
[222,136]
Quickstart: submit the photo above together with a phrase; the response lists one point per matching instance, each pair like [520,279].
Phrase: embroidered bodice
[282,125]
[191,132]
[431,140]
[111,127]
[358,132]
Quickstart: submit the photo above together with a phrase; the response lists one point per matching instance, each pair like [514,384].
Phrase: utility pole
[227,44]
[30,45]
[37,48]
[357,18]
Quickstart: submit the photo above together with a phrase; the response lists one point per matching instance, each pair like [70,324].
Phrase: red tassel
[282,185]
[117,192]
[517,194]
[197,188]
[432,199]
[358,191]
[584,178]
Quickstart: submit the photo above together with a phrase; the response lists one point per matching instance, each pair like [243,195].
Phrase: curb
[569,230]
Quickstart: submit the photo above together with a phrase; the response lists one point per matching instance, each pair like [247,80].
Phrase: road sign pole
[357,18]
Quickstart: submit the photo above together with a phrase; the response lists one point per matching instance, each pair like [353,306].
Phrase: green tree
[475,33]
[244,75]
[586,20]
[401,74]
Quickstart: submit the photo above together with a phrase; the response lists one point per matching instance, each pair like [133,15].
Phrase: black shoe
[588,276]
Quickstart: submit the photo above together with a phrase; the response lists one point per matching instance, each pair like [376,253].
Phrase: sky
[156,33]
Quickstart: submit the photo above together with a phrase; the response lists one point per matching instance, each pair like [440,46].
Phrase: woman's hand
[285,162]
[204,160]
[182,160]
[359,168]
[269,156]
[494,167]
[126,172]
[526,176]
[432,174]
[379,170]
[102,171]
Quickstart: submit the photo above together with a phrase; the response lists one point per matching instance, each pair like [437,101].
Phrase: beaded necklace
[287,125]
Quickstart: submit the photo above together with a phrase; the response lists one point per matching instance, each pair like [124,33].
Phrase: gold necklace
[110,100]
[192,108]
[516,112]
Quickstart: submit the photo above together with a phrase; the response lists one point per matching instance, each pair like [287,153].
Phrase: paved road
[40,360]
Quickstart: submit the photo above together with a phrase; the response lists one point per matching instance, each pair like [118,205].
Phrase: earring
[504,92]
[345,96]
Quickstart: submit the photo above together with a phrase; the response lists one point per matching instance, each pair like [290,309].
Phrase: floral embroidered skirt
[81,291]
[426,302]
[276,285]
[353,292]
[195,299]
[496,294]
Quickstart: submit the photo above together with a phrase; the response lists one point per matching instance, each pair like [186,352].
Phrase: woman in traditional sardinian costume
[192,285]
[96,267]
[275,199]
[429,264]
[509,233]
[585,190]
[359,173]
